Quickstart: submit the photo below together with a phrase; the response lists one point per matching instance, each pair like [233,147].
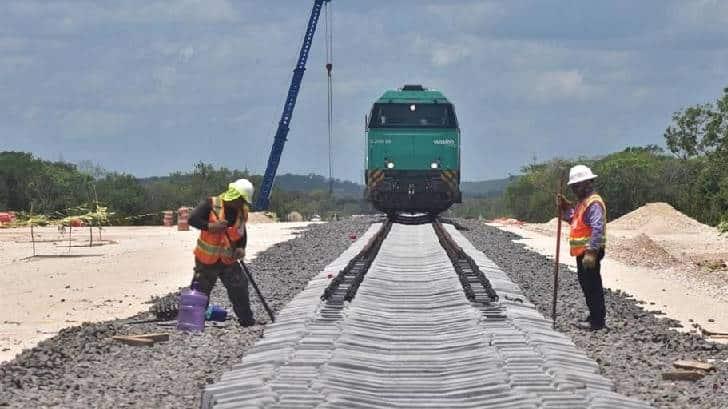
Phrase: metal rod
[560,189]
[32,235]
[257,291]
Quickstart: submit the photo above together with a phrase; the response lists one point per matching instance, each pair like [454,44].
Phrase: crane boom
[283,125]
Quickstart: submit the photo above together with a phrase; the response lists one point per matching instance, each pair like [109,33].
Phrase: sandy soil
[687,295]
[62,287]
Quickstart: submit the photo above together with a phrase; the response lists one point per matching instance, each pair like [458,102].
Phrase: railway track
[412,316]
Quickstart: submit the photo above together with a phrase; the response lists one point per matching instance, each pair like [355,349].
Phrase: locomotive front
[413,152]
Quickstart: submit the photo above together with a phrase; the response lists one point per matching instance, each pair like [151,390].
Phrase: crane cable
[329,34]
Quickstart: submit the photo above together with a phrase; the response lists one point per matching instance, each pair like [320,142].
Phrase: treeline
[627,180]
[692,176]
[58,189]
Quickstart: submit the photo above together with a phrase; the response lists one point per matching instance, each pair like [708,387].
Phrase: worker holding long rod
[587,241]
[223,237]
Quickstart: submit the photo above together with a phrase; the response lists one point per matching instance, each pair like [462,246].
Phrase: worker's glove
[562,203]
[239,253]
[590,260]
[217,227]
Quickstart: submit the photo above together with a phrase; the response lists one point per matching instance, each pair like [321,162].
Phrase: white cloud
[467,15]
[559,85]
[71,16]
[701,13]
[92,125]
[442,54]
[208,11]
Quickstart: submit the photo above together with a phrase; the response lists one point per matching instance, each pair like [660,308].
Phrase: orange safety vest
[212,247]
[581,232]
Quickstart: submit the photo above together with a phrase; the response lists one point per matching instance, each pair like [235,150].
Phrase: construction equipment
[283,125]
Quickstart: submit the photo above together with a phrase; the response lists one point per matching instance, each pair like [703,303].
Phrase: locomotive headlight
[434,165]
[390,165]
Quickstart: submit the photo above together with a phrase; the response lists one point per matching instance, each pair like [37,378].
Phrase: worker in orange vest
[221,220]
[587,240]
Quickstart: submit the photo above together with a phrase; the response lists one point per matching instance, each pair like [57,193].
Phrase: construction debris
[142,339]
[685,364]
[680,375]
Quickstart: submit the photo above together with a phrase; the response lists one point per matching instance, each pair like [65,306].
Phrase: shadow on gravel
[637,348]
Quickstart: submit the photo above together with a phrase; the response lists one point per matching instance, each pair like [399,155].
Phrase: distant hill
[287,182]
[343,188]
[486,188]
[311,182]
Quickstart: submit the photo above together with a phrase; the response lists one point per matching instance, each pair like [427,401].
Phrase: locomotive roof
[422,97]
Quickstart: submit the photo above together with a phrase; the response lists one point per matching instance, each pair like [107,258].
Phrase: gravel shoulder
[65,286]
[639,346]
[83,367]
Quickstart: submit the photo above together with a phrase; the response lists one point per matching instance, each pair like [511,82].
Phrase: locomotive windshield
[412,115]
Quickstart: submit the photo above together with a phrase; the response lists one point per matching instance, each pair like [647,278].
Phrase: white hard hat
[580,173]
[245,188]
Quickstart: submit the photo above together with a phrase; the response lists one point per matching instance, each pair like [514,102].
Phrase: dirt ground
[64,286]
[662,257]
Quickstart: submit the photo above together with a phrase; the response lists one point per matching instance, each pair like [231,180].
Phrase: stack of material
[550,227]
[294,216]
[662,236]
[660,218]
[259,217]
[641,250]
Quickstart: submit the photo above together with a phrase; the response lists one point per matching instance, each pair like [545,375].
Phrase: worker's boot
[588,326]
[248,322]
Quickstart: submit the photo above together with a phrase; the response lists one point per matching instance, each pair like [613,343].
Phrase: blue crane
[282,132]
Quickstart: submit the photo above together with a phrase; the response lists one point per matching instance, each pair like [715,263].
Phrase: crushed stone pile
[641,250]
[259,217]
[549,228]
[660,218]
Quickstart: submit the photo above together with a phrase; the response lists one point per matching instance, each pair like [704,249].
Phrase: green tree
[123,194]
[689,134]
[531,196]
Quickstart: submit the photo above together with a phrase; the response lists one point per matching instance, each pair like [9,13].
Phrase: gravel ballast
[637,349]
[82,367]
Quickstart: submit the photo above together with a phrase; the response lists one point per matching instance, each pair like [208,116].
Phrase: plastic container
[168,219]
[192,308]
[183,214]
[216,313]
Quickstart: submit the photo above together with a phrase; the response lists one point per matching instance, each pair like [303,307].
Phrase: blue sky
[149,87]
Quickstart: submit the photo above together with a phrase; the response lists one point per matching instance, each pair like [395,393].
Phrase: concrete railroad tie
[411,339]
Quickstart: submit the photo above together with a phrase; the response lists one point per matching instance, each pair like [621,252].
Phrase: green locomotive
[413,152]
